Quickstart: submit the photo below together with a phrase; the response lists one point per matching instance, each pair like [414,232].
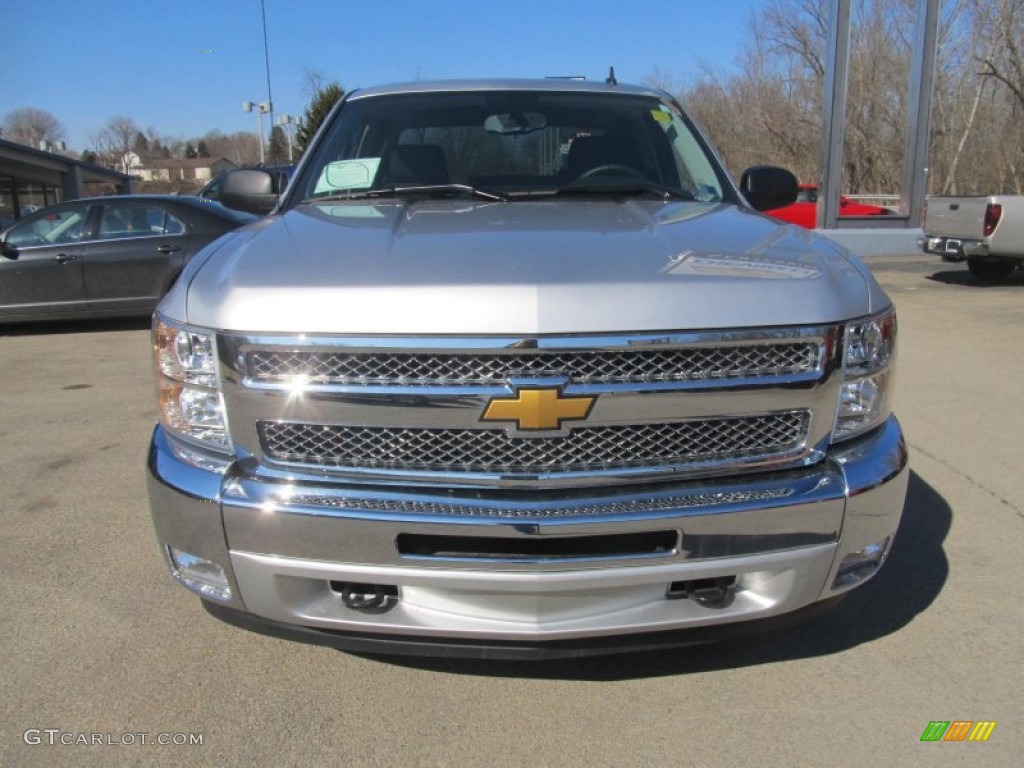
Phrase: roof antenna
[611,77]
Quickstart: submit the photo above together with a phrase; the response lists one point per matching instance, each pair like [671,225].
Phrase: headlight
[868,354]
[187,390]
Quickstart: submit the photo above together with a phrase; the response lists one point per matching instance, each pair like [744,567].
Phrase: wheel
[990,269]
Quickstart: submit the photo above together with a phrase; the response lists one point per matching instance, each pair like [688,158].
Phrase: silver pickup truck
[985,231]
[513,369]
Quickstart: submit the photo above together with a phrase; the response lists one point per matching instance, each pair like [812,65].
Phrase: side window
[121,220]
[172,225]
[49,228]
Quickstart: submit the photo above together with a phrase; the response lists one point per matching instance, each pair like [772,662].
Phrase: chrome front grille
[412,409]
[583,449]
[599,366]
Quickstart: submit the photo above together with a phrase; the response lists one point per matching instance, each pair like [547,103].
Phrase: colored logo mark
[958,730]
[538,409]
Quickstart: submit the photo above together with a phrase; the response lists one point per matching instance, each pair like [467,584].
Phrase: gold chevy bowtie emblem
[538,408]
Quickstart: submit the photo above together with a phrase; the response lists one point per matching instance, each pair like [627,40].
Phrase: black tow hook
[711,593]
[368,598]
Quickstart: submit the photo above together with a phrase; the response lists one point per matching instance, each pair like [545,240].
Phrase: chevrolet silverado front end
[468,390]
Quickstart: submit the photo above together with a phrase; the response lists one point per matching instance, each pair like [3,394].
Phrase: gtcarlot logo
[59,737]
[958,730]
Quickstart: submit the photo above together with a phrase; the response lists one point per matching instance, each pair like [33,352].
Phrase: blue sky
[184,67]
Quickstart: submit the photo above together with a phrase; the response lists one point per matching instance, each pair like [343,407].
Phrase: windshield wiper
[665,193]
[429,190]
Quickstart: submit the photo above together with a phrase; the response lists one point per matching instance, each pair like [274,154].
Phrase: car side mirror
[768,186]
[8,251]
[249,190]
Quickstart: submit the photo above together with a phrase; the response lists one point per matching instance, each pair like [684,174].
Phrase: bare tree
[978,137]
[1003,23]
[771,110]
[241,148]
[113,143]
[665,80]
[313,81]
[31,127]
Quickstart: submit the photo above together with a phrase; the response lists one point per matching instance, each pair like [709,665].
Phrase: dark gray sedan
[104,256]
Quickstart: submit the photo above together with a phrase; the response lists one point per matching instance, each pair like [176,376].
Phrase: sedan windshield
[506,145]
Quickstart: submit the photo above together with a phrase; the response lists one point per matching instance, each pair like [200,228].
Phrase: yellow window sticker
[661,117]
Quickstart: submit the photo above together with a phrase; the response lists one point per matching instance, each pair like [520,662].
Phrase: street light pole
[286,122]
[262,108]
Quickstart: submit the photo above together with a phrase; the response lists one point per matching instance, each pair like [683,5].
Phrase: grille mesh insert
[582,366]
[496,451]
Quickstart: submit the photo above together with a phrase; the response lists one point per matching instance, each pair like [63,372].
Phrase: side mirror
[249,190]
[767,187]
[8,251]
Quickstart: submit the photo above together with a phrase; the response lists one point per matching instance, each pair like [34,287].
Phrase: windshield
[510,144]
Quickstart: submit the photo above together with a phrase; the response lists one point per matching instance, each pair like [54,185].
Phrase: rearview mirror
[510,123]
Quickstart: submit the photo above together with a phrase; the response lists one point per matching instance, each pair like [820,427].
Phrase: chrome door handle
[169,248]
[64,258]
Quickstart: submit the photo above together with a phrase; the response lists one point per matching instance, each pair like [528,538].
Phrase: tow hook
[711,593]
[368,598]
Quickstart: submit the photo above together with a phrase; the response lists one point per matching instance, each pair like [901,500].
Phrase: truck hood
[530,267]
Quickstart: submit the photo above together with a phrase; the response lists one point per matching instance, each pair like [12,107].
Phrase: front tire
[989,268]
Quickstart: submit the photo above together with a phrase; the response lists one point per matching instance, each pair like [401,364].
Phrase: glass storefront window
[19,198]
[8,211]
[32,196]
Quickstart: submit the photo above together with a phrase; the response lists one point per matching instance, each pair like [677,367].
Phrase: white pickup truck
[987,232]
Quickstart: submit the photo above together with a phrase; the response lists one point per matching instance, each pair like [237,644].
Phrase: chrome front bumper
[522,567]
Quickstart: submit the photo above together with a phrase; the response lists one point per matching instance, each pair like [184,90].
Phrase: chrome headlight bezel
[869,354]
[188,389]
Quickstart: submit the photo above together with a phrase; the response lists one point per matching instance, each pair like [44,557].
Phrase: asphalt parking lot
[97,640]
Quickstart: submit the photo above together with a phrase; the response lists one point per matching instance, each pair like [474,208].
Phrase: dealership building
[32,178]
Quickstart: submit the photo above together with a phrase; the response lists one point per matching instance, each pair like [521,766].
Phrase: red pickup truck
[804,211]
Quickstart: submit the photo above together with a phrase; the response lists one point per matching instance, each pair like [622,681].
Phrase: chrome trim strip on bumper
[356,526]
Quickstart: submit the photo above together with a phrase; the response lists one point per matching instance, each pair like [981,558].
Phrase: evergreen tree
[201,149]
[141,145]
[323,100]
[277,153]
